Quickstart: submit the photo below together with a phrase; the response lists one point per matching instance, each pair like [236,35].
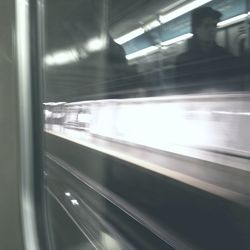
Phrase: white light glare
[84,118]
[129,36]
[75,202]
[151,25]
[232,20]
[53,103]
[182,10]
[62,57]
[231,113]
[142,52]
[95,44]
[177,39]
[68,194]
[47,113]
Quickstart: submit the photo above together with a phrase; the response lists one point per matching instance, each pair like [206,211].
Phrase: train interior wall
[10,226]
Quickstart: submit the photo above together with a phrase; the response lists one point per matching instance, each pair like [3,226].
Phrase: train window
[146,112]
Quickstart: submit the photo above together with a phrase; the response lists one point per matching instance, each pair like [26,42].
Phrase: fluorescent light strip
[142,52]
[182,10]
[62,57]
[54,103]
[177,39]
[151,49]
[151,25]
[74,202]
[95,44]
[163,18]
[232,20]
[129,36]
[186,36]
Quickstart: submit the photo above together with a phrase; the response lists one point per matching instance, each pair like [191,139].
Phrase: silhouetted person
[123,81]
[205,65]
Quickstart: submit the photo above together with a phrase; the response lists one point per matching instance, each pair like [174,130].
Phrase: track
[165,205]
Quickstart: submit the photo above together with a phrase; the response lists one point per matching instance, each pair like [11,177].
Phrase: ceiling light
[182,10]
[177,39]
[62,57]
[232,20]
[129,36]
[142,52]
[95,44]
[151,25]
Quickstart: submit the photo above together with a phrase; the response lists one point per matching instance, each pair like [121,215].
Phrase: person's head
[204,23]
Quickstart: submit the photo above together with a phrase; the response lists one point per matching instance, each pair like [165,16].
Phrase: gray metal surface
[25,123]
[10,226]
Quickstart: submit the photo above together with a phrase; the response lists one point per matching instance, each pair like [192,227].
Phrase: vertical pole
[25,125]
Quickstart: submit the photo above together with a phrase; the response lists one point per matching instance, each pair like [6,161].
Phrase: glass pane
[146,107]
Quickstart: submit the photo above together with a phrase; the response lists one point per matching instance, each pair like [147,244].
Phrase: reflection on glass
[146,116]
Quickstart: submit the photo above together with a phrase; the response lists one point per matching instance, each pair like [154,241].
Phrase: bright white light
[109,243]
[84,117]
[47,113]
[142,52]
[57,115]
[232,20]
[95,44]
[133,124]
[53,103]
[75,202]
[151,25]
[62,57]
[182,10]
[231,113]
[68,194]
[177,39]
[165,123]
[244,113]
[129,36]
